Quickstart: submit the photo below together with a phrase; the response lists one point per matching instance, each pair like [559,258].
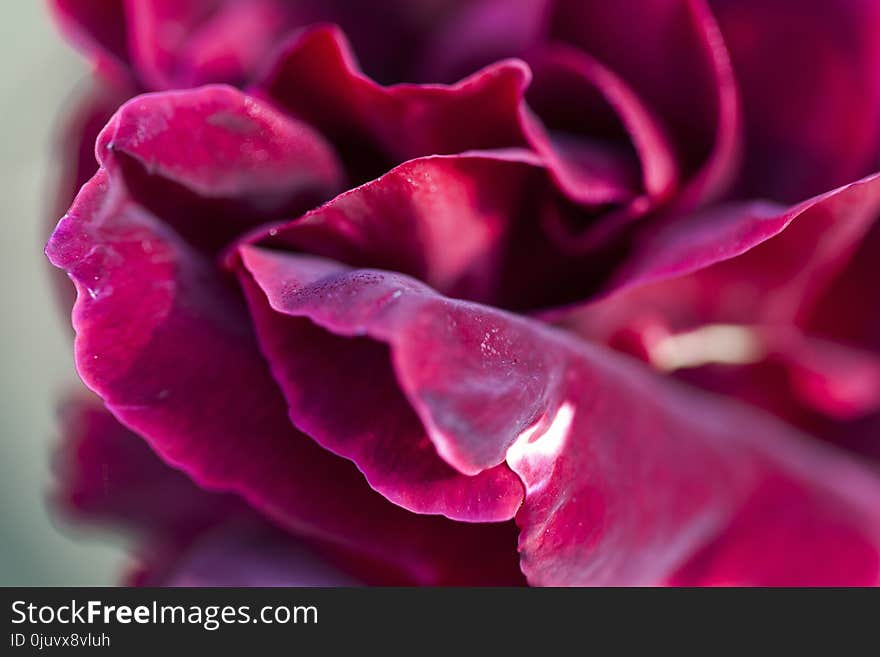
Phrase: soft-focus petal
[166,44]
[245,556]
[97,27]
[742,263]
[791,534]
[673,56]
[107,476]
[374,127]
[626,475]
[808,74]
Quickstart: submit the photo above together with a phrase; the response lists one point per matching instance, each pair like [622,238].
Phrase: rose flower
[514,302]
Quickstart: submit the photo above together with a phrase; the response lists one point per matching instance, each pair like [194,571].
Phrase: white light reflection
[537,447]
[727,344]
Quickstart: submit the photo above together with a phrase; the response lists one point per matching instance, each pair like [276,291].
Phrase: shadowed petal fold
[627,476]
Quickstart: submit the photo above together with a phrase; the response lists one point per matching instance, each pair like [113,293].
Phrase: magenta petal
[446,220]
[107,475]
[97,27]
[245,556]
[334,384]
[807,71]
[235,41]
[470,225]
[317,79]
[658,167]
[214,162]
[723,288]
[158,31]
[155,324]
[626,475]
[672,55]
[748,262]
[91,108]
[792,534]
[481,413]
[842,382]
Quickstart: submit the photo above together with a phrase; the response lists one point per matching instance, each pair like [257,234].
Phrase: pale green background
[38,74]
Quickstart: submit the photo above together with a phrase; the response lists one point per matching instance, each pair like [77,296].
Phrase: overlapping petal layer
[155,321]
[472,225]
[184,536]
[350,386]
[749,284]
[626,475]
[807,74]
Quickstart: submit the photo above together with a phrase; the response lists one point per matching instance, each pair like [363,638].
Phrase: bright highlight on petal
[723,344]
[540,445]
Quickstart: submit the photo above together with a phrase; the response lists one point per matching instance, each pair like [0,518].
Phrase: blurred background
[38,75]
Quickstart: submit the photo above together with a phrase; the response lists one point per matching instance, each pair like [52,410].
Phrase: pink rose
[377,327]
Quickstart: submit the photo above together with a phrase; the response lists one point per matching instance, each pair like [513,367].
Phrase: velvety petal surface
[807,73]
[753,283]
[76,133]
[627,476]
[214,162]
[473,226]
[155,321]
[374,127]
[744,263]
[673,56]
[334,387]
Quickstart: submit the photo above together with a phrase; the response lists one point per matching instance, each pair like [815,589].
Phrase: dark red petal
[98,28]
[848,309]
[344,394]
[807,71]
[604,148]
[672,55]
[168,345]
[317,79]
[658,167]
[626,475]
[235,41]
[751,263]
[77,132]
[107,476]
[214,162]
[470,225]
[724,288]
[246,556]
[764,545]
